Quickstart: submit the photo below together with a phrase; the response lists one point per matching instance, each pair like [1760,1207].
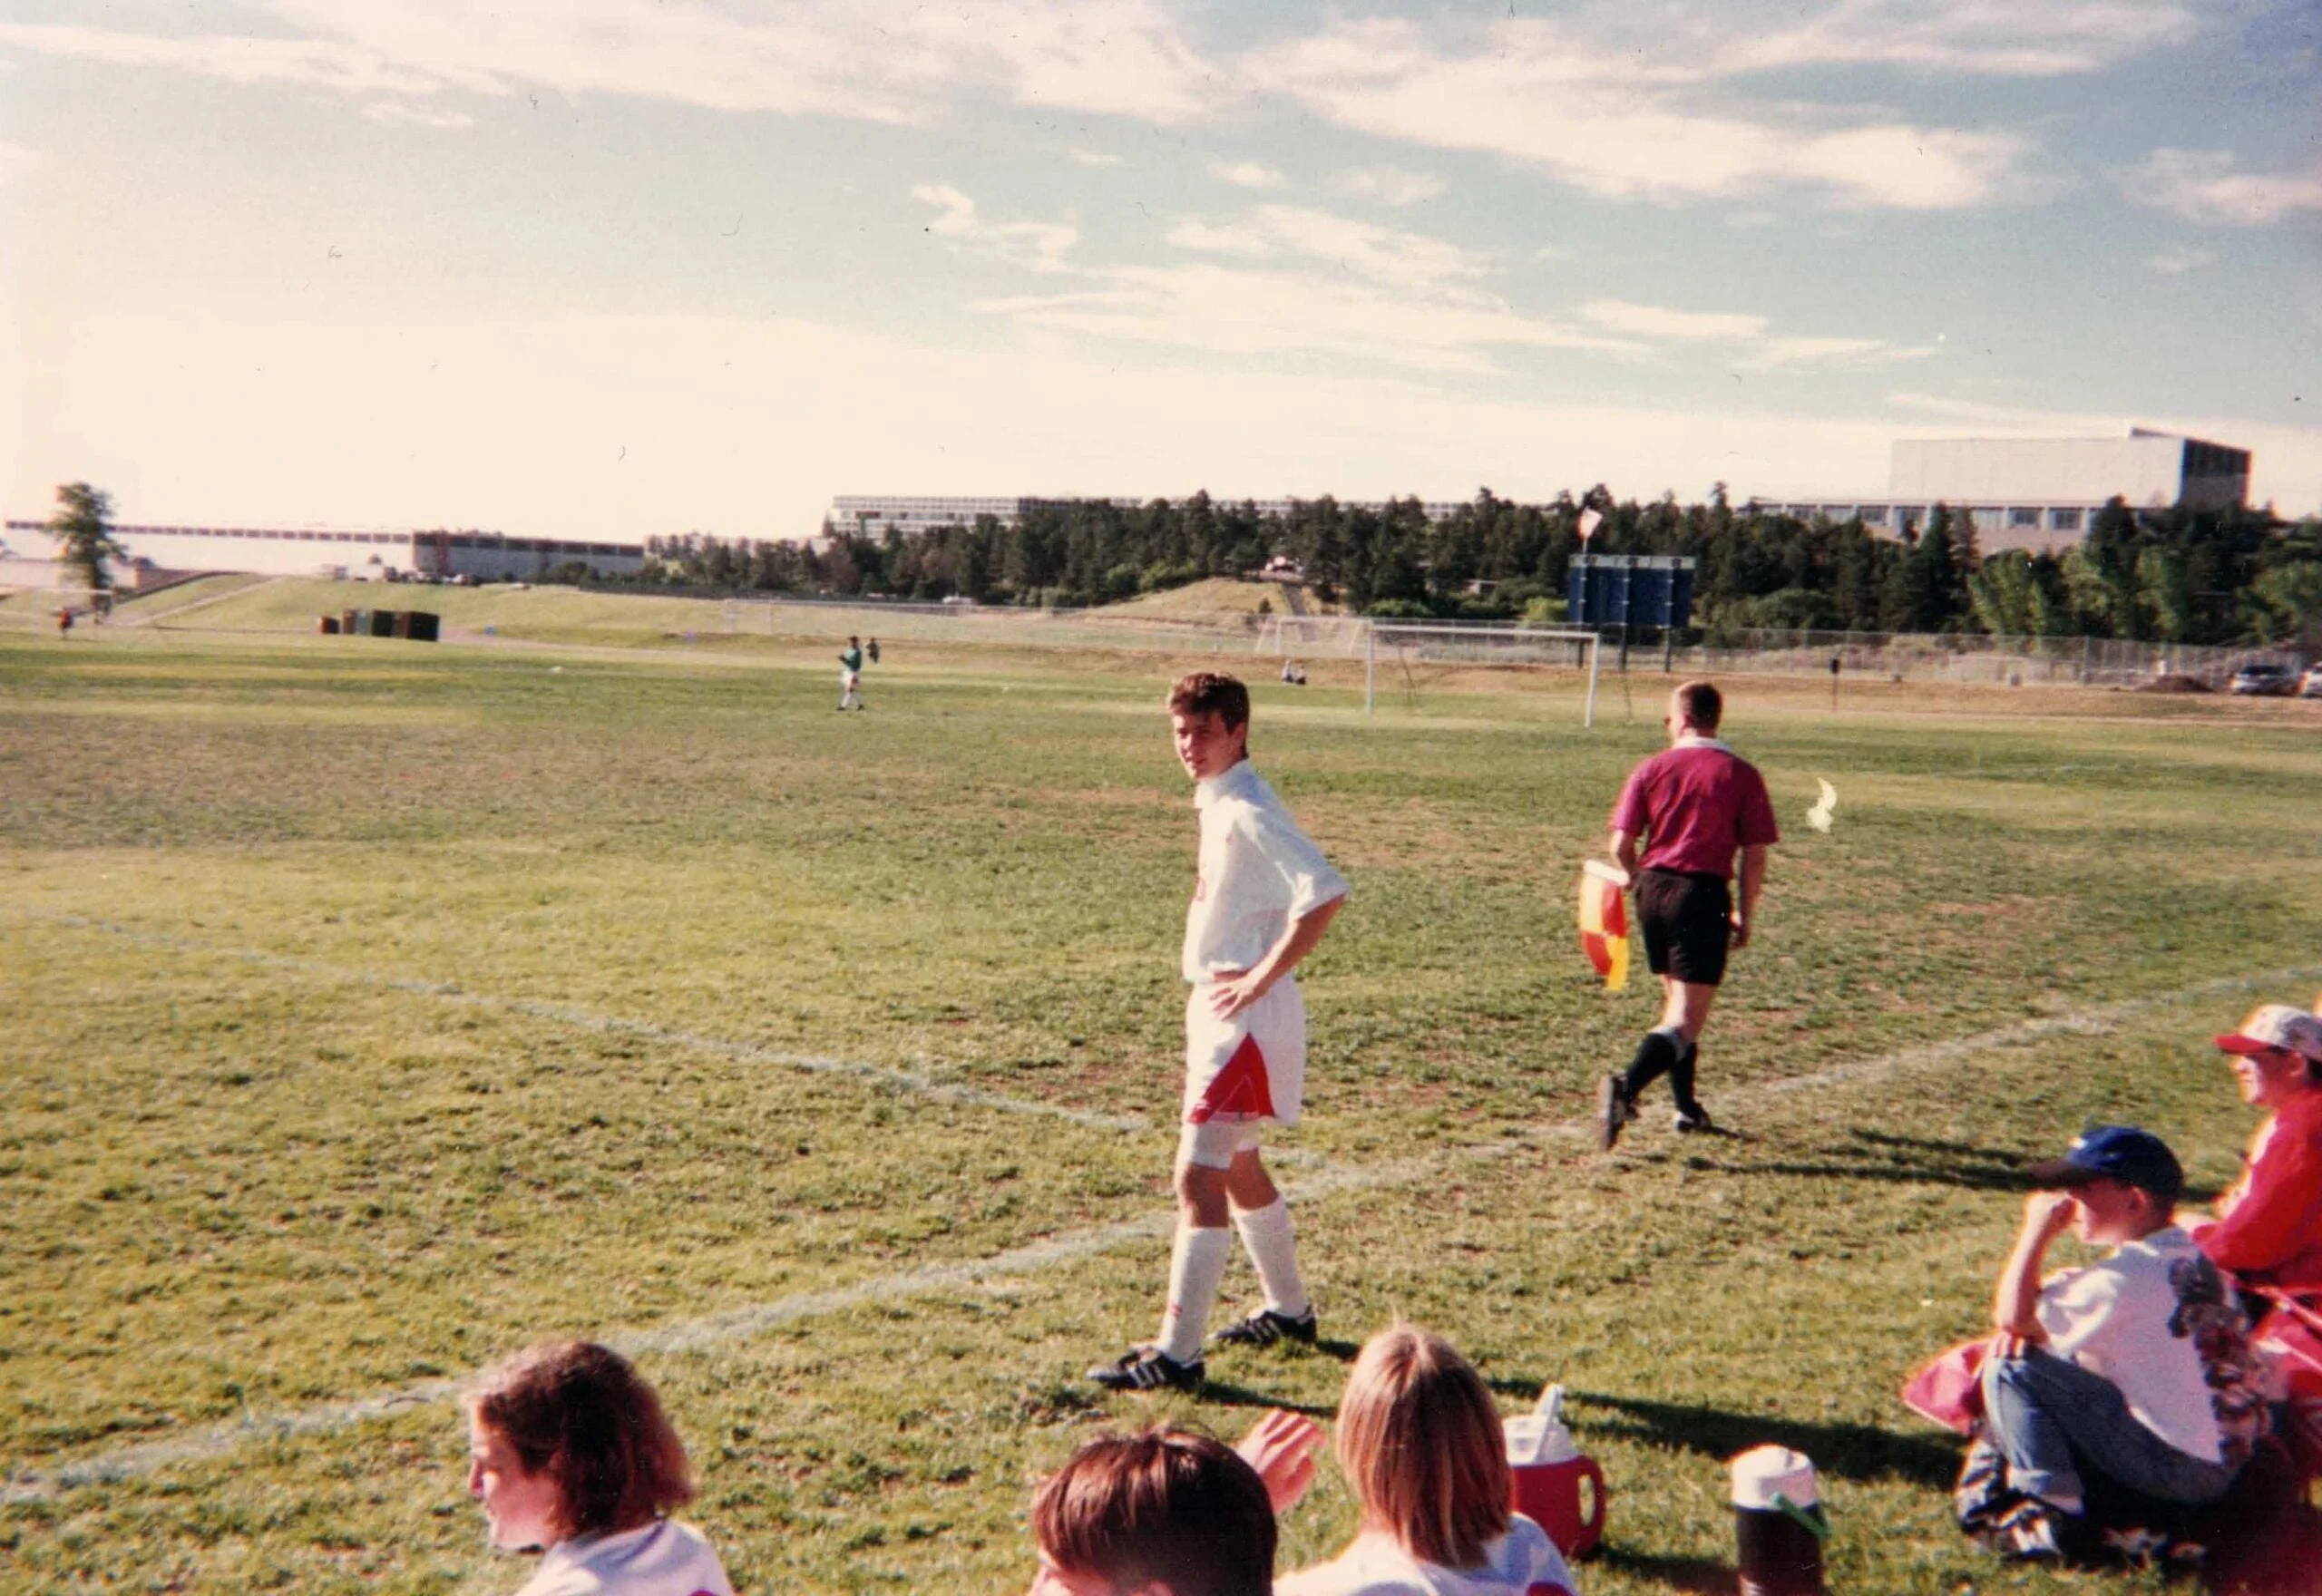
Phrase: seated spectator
[1420,1443]
[2134,1370]
[569,1452]
[1161,1512]
[2268,1230]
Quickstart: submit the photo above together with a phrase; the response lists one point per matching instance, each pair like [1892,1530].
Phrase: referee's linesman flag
[1604,920]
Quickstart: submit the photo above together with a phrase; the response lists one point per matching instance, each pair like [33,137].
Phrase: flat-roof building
[2037,494]
[874,514]
[306,552]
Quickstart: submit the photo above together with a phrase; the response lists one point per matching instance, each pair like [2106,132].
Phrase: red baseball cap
[2277,1027]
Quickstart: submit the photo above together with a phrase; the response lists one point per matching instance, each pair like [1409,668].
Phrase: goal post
[1405,643]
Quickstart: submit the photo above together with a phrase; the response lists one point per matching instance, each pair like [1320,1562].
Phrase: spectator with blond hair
[1420,1443]
[569,1452]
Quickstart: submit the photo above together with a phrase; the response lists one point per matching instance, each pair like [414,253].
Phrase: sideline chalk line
[585,1020]
[711,1331]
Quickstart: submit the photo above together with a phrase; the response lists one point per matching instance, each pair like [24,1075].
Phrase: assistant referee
[1694,806]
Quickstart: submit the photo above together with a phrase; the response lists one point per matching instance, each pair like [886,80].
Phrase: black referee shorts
[1687,921]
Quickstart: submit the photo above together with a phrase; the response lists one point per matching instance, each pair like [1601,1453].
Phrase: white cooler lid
[1762,1473]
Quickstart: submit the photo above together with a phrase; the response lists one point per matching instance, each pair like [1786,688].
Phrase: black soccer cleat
[1694,1120]
[1613,1110]
[1148,1368]
[1265,1327]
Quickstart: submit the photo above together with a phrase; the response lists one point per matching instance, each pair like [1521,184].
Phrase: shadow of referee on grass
[1840,1451]
[1878,1155]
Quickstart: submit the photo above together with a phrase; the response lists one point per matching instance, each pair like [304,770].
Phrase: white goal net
[1398,656]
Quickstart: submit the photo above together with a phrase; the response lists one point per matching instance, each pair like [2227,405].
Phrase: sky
[626,268]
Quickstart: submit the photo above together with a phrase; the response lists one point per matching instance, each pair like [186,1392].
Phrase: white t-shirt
[1522,1562]
[663,1559]
[1258,872]
[2115,1318]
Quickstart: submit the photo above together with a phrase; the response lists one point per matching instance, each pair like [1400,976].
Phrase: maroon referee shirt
[1696,804]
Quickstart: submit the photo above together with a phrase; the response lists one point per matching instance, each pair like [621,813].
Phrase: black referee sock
[1656,1055]
[1681,1082]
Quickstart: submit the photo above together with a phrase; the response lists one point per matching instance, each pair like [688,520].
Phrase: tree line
[2173,575]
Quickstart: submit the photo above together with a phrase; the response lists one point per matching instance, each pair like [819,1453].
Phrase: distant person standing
[849,676]
[873,650]
[1693,807]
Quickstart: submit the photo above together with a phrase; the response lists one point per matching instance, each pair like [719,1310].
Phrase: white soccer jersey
[663,1559]
[1258,872]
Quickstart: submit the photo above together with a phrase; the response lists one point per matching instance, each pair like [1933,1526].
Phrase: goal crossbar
[1476,644]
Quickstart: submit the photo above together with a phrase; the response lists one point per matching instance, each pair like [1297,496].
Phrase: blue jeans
[2050,1418]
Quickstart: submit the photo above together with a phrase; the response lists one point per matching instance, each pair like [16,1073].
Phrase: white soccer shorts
[1241,1072]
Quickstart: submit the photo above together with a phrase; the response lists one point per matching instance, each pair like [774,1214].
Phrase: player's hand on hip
[1234,991]
[1281,1446]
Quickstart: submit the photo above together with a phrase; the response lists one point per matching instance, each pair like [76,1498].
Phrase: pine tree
[84,528]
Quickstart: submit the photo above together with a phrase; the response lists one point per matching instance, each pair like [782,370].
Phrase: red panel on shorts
[1240,1087]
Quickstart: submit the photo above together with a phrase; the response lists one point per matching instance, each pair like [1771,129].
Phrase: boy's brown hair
[1701,704]
[1206,692]
[581,1414]
[1163,1504]
[1421,1441]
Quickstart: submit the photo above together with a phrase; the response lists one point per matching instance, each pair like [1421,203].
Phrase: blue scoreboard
[1630,591]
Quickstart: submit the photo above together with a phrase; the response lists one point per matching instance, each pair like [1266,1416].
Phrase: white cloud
[882,61]
[1038,245]
[1234,310]
[241,59]
[403,113]
[1359,248]
[1748,344]
[1246,174]
[1389,185]
[1983,38]
[1536,93]
[2176,263]
[2200,185]
[1651,321]
[1093,157]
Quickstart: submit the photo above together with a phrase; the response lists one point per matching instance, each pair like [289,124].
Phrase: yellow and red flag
[1604,920]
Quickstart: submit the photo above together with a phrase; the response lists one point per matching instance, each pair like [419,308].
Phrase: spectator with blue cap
[2130,1375]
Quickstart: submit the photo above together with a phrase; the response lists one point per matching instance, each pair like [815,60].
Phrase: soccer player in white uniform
[1262,899]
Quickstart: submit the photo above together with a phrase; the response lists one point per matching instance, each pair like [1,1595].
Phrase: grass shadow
[1227,1394]
[1840,1451]
[1704,1575]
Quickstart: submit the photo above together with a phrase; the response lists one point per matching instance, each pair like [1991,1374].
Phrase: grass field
[374,1008]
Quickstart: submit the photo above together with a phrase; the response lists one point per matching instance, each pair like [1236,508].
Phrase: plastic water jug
[1558,1486]
[1779,1526]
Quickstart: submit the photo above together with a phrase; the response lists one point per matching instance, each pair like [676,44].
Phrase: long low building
[306,552]
[2036,493]
[874,514]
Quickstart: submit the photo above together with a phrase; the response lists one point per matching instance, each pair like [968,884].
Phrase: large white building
[876,514]
[2037,494]
[307,552]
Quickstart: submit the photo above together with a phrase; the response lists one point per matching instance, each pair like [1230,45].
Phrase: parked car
[2265,679]
[2311,688]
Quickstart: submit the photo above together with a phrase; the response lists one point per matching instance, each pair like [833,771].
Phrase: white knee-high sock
[1196,1266]
[1273,1243]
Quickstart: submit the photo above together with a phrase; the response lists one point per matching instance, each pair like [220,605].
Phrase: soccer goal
[1397,648]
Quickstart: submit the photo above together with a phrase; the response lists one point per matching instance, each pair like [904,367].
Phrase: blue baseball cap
[2114,1153]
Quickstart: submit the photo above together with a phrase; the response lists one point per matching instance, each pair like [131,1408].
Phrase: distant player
[1262,899]
[849,676]
[1694,806]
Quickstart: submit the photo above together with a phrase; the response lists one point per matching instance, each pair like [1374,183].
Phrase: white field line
[584,1019]
[707,1334]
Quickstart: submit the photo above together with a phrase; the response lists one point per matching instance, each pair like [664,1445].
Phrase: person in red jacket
[2268,1230]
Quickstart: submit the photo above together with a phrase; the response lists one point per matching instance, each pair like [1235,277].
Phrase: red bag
[1949,1389]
